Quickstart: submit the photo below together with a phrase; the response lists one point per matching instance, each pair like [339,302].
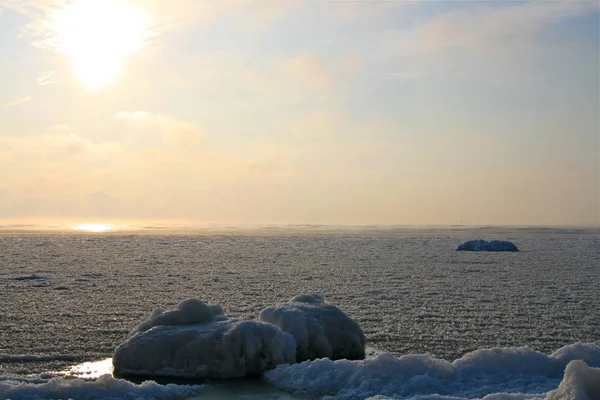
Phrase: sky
[310,112]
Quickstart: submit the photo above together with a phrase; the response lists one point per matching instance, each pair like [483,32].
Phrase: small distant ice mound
[197,341]
[581,382]
[482,245]
[320,329]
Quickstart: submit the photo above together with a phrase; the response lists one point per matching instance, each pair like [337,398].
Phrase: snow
[188,312]
[482,245]
[520,371]
[104,388]
[581,382]
[320,329]
[197,341]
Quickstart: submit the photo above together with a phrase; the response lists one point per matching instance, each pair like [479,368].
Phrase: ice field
[451,324]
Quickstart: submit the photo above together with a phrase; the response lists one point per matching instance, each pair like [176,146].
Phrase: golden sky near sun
[292,112]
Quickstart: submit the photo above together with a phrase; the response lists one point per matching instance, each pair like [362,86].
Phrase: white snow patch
[104,388]
[320,329]
[197,341]
[509,373]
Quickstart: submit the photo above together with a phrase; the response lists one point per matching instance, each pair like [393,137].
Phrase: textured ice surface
[320,329]
[197,341]
[477,374]
[411,293]
[104,388]
[493,245]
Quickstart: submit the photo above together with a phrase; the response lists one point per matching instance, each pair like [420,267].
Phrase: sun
[99,36]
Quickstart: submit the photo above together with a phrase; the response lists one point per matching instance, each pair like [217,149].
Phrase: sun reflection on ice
[97,228]
[91,370]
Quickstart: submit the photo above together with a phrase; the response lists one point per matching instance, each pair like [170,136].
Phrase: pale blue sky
[359,112]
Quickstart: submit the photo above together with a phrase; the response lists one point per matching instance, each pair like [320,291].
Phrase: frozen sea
[69,297]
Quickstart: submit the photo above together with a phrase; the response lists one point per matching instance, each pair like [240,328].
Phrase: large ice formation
[197,340]
[320,329]
[485,373]
[482,245]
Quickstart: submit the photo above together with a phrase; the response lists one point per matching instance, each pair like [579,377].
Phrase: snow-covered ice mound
[320,329]
[581,382]
[104,388]
[520,373]
[483,245]
[197,341]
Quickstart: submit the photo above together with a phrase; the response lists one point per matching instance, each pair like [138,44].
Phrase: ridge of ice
[519,373]
[104,388]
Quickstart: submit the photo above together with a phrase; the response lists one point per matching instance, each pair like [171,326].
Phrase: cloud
[351,11]
[59,145]
[232,82]
[18,102]
[159,130]
[46,78]
[486,26]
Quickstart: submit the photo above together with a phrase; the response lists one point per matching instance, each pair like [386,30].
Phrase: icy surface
[410,292]
[197,341]
[104,388]
[477,374]
[581,382]
[482,245]
[320,329]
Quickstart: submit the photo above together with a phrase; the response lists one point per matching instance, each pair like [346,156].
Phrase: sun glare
[93,227]
[99,35]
